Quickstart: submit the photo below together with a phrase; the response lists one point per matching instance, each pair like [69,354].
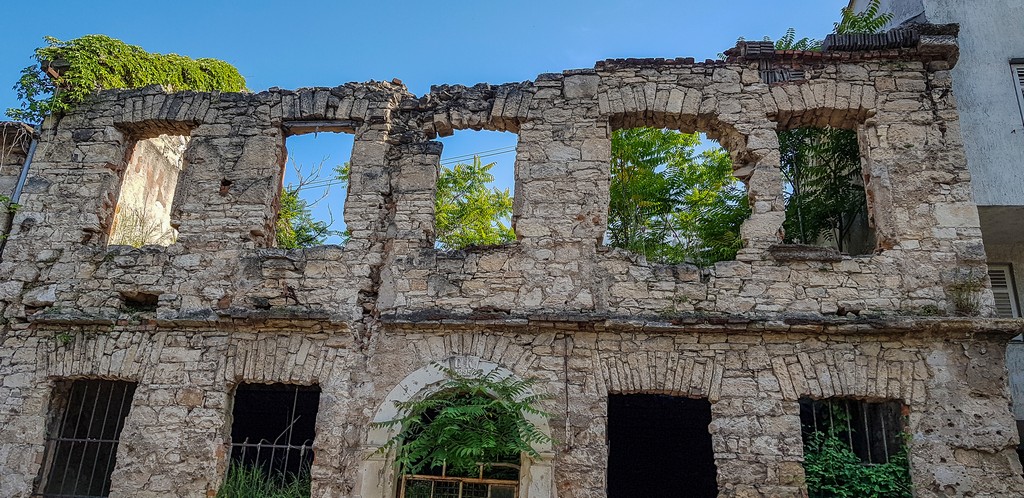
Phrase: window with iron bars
[86,419]
[496,480]
[873,431]
[272,431]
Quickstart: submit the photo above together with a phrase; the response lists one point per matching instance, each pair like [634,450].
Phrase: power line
[452,160]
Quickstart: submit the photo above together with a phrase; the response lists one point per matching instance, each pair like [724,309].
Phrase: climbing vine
[84,65]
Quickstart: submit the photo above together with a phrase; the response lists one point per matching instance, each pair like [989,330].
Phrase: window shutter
[1003,291]
[1018,78]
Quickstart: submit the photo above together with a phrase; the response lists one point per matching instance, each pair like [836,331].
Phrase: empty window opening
[673,197]
[496,479]
[475,189]
[86,418]
[851,445]
[142,215]
[139,302]
[826,203]
[660,446]
[1001,276]
[272,431]
[315,185]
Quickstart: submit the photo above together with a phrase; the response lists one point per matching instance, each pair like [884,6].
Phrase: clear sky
[327,43]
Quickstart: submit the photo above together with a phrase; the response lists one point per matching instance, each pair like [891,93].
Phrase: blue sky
[327,43]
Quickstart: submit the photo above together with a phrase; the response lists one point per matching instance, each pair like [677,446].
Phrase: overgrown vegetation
[99,62]
[251,481]
[833,470]
[134,226]
[670,203]
[471,420]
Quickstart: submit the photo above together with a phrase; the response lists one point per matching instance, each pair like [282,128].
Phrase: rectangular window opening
[272,432]
[311,210]
[142,215]
[660,446]
[674,197]
[475,190]
[826,202]
[841,436]
[86,419]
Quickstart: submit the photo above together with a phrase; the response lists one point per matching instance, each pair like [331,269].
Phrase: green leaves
[833,470]
[670,203]
[825,193]
[468,212]
[866,22]
[472,420]
[98,62]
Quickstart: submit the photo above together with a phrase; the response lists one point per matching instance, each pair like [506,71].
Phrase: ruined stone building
[161,357]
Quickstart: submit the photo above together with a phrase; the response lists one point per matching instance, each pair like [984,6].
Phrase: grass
[245,481]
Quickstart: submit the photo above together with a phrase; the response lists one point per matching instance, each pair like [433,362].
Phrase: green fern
[471,421]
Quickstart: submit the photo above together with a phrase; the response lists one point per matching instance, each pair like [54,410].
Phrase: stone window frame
[378,477]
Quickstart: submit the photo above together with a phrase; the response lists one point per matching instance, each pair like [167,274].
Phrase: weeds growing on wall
[245,481]
[472,420]
[96,62]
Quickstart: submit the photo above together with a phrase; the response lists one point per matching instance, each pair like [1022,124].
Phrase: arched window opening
[466,440]
[826,204]
[673,197]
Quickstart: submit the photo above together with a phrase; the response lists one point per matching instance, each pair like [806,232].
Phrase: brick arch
[857,375]
[377,474]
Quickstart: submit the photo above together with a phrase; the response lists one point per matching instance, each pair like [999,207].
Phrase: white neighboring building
[988,83]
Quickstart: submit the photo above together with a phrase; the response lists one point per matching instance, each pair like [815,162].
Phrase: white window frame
[1010,285]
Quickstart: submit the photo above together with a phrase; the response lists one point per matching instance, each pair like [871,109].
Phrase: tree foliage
[98,62]
[468,211]
[871,20]
[296,227]
[670,203]
[472,420]
[833,470]
[825,197]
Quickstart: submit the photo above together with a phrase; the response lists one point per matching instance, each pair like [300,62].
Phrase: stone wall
[364,321]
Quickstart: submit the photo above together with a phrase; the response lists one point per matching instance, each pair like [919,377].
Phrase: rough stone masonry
[366,320]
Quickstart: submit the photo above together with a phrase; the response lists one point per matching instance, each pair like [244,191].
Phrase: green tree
[825,197]
[98,62]
[296,227]
[669,202]
[468,211]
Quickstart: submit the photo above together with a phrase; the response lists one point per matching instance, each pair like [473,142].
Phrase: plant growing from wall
[68,72]
[833,470]
[470,421]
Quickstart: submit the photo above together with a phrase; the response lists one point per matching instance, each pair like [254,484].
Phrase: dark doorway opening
[273,428]
[659,446]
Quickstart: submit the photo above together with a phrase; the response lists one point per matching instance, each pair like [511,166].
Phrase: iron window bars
[873,431]
[87,417]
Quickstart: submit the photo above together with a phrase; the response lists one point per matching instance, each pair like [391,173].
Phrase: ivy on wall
[69,71]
